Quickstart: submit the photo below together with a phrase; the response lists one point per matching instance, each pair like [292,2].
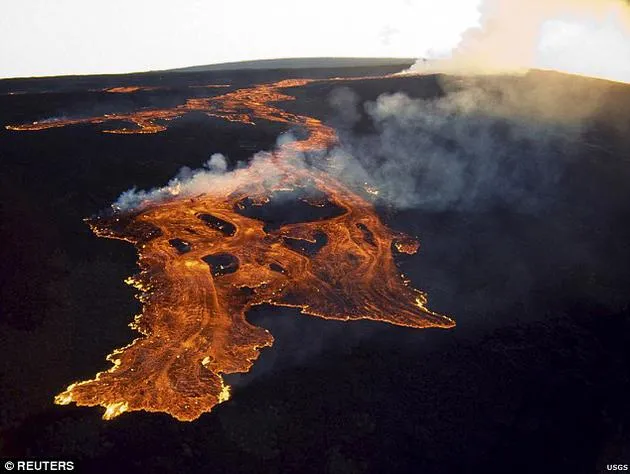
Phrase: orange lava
[242,105]
[128,89]
[204,263]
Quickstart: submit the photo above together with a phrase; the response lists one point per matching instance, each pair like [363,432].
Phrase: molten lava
[242,105]
[205,261]
[129,89]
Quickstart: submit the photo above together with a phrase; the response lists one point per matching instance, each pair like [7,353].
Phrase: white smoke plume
[213,173]
[587,37]
[186,183]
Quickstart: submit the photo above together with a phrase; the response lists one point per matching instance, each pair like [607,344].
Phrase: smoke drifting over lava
[487,143]
[585,37]
[187,183]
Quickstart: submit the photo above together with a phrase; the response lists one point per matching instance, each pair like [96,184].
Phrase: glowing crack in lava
[206,259]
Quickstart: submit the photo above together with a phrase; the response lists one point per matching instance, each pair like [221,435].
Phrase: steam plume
[489,142]
[584,37]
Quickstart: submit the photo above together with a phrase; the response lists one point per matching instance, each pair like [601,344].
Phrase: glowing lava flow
[242,105]
[129,89]
[204,263]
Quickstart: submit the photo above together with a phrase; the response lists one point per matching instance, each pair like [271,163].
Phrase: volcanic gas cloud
[583,37]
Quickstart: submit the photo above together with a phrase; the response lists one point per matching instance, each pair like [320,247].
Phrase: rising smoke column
[584,37]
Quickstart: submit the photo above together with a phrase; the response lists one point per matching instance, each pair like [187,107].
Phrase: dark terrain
[534,378]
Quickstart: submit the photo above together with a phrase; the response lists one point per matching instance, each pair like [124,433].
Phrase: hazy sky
[53,37]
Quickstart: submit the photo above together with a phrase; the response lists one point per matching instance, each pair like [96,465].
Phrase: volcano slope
[537,286]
